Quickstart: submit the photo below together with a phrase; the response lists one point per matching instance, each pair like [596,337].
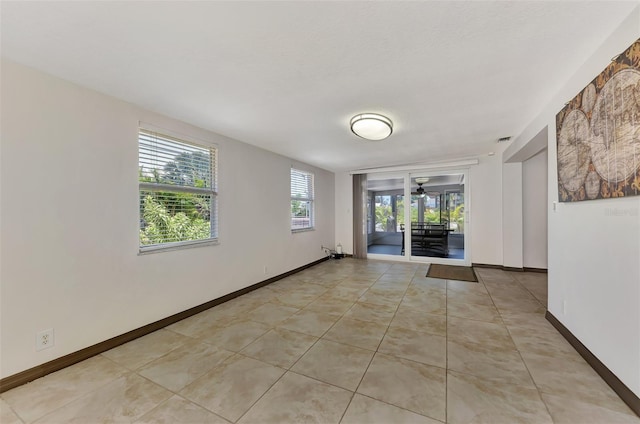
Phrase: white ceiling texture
[454,76]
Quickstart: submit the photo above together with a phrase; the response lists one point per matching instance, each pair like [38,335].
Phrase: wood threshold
[57,364]
[609,377]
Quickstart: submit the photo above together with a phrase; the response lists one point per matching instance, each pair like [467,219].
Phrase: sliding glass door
[420,216]
[385,215]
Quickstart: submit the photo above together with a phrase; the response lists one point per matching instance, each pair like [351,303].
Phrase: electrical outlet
[44,339]
[265,269]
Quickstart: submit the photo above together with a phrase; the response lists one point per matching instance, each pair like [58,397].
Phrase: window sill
[157,248]
[302,230]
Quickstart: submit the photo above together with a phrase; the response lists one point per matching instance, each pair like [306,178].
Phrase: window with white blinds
[178,191]
[302,198]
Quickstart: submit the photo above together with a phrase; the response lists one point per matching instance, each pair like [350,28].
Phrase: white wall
[69,211]
[486,210]
[512,215]
[594,246]
[534,211]
[344,211]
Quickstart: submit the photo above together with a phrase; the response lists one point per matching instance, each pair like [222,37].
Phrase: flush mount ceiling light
[371,126]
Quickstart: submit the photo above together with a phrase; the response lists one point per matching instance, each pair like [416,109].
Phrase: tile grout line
[377,350]
[520,353]
[290,369]
[287,370]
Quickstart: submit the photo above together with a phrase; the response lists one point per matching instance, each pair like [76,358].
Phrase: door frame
[429,172]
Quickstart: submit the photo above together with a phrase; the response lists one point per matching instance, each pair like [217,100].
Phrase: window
[301,200]
[177,181]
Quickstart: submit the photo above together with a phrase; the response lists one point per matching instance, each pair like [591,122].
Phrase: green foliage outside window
[168,216]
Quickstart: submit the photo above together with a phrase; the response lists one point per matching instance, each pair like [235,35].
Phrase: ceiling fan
[420,191]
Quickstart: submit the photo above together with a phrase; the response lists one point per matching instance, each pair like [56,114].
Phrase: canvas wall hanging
[598,134]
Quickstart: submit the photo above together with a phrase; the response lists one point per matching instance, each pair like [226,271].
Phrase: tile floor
[347,341]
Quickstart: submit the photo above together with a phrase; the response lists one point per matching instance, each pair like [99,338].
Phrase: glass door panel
[385,216]
[437,216]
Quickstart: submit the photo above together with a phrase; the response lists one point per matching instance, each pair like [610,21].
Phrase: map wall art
[598,134]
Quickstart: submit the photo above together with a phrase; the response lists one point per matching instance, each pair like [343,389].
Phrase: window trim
[312,200]
[210,191]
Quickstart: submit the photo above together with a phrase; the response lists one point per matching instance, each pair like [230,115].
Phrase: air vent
[503,139]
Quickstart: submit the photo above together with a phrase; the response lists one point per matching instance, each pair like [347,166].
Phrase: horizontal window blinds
[166,160]
[177,184]
[302,198]
[301,185]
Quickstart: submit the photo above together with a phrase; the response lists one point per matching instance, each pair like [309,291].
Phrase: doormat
[451,272]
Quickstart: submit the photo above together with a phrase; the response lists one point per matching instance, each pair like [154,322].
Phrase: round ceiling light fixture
[371,126]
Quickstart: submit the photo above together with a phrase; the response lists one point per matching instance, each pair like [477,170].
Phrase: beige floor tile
[454,286]
[487,313]
[476,298]
[416,346]
[488,362]
[310,322]
[509,292]
[529,320]
[141,351]
[485,354]
[230,389]
[299,399]
[512,304]
[535,283]
[235,336]
[377,296]
[396,279]
[407,384]
[544,343]
[475,400]
[341,292]
[123,400]
[423,281]
[271,313]
[356,283]
[326,282]
[177,410]
[494,275]
[335,363]
[329,305]
[573,380]
[417,320]
[427,289]
[363,409]
[393,288]
[262,295]
[430,304]
[479,332]
[239,306]
[7,416]
[297,299]
[184,364]
[371,313]
[366,335]
[287,284]
[48,393]
[570,411]
[200,323]
[279,347]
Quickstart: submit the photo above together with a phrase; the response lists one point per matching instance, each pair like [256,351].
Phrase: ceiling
[454,76]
